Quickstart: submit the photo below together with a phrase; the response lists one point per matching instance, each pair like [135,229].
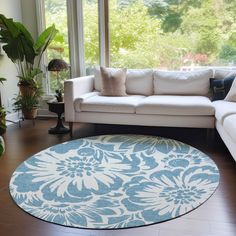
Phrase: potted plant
[24,52]
[59,95]
[28,105]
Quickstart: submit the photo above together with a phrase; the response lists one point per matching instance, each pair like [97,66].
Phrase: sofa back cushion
[221,74]
[138,81]
[182,82]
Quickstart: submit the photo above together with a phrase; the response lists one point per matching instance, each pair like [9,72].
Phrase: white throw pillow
[138,81]
[182,82]
[231,96]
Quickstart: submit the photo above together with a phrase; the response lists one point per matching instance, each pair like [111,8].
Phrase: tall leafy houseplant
[25,53]
[22,50]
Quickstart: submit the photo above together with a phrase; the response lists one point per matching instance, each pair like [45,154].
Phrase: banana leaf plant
[23,51]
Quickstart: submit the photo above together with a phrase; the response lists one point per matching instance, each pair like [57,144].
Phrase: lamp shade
[57,65]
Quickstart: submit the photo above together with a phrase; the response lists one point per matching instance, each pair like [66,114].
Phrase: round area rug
[114,181]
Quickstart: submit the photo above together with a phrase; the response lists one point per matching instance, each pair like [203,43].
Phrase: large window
[172,34]
[162,34]
[91,34]
[56,13]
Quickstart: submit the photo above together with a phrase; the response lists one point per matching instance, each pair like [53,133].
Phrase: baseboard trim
[15,117]
[45,113]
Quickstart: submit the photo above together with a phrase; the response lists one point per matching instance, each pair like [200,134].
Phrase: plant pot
[60,99]
[29,114]
[27,90]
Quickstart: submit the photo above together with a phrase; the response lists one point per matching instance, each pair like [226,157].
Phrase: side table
[58,108]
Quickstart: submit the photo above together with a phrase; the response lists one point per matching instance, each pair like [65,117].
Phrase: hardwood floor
[215,217]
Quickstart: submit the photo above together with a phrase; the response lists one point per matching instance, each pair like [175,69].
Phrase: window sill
[47,97]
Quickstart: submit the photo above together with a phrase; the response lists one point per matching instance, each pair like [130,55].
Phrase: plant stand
[58,108]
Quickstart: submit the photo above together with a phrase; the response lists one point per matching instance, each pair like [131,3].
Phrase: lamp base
[58,130]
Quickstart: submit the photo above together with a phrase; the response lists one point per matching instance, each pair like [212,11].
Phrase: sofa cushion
[182,82]
[82,97]
[99,103]
[223,109]
[230,126]
[113,83]
[221,74]
[176,105]
[138,81]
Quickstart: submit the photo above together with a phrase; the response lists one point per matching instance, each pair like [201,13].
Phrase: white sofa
[225,113]
[156,98]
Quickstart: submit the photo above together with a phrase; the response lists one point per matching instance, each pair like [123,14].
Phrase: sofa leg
[71,129]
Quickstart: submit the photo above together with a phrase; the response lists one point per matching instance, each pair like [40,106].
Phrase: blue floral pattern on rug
[114,181]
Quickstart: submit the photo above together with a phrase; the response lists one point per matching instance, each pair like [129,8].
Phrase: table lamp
[58,65]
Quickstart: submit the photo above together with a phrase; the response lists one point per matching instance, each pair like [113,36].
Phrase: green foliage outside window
[157,34]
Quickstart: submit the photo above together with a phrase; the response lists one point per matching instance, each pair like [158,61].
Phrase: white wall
[11,9]
[23,11]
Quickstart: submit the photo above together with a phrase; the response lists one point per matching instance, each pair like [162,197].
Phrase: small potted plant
[28,105]
[59,95]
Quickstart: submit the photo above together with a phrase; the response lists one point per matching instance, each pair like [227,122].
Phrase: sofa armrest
[73,89]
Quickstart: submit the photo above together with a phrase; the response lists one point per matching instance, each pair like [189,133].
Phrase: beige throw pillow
[113,82]
[231,96]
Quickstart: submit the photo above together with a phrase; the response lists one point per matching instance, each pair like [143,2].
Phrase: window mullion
[41,25]
[104,32]
[76,37]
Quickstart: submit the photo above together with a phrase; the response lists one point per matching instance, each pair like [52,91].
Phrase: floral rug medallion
[114,181]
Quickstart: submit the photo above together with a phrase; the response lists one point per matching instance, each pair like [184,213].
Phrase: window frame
[76,36]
